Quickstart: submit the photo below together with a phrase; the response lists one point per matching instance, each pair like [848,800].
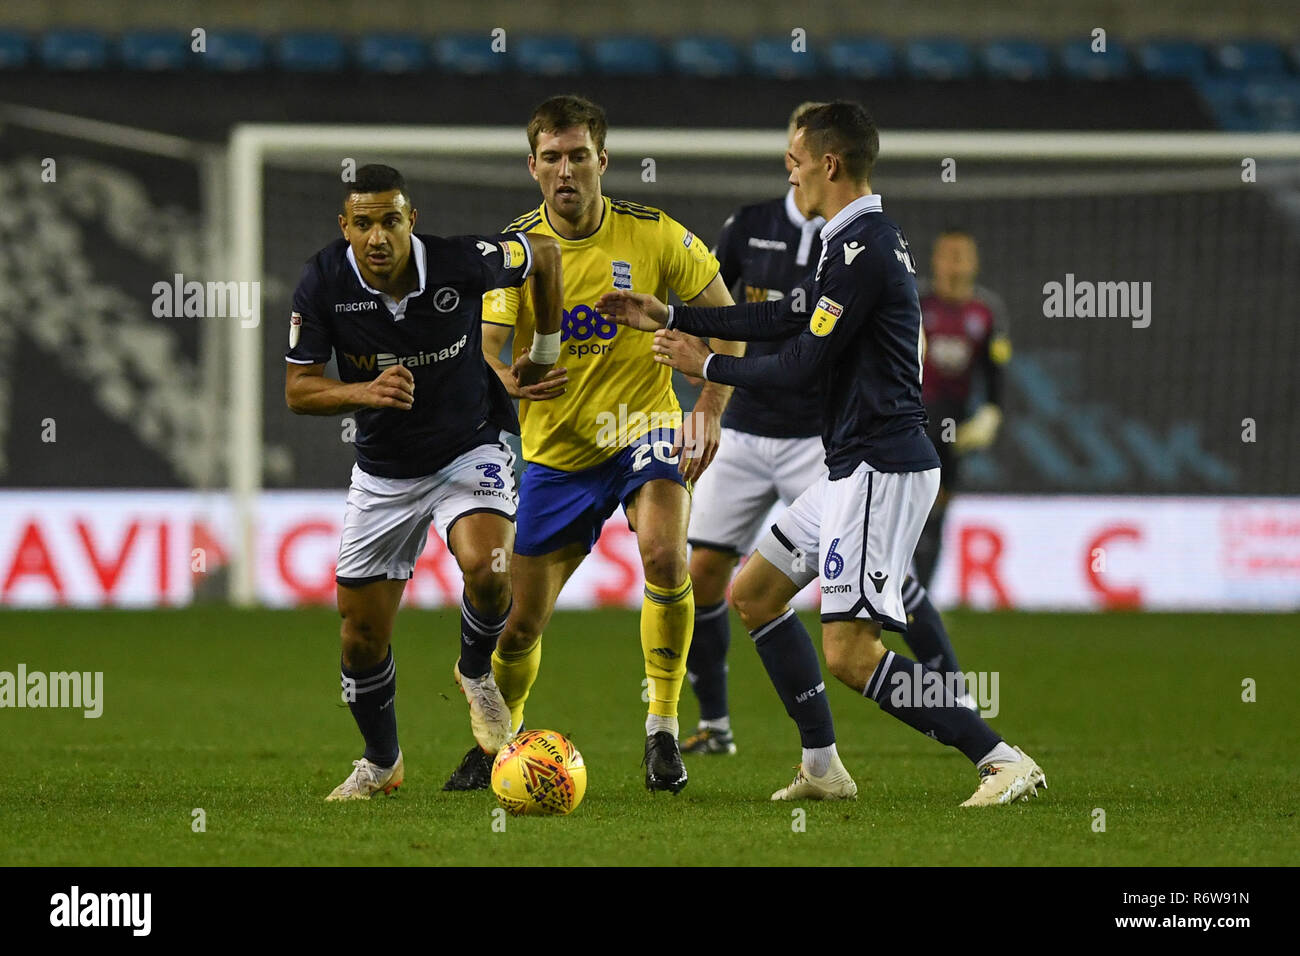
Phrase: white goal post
[251,145]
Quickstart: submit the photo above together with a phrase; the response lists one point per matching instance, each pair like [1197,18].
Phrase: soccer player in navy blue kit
[772,452]
[398,310]
[857,526]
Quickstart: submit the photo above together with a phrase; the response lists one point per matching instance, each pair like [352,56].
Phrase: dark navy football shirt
[435,331]
[863,339]
[764,251]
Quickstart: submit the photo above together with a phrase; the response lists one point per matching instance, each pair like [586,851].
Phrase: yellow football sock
[667,623]
[515,673]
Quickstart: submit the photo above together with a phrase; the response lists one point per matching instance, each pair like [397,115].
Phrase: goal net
[1202,229]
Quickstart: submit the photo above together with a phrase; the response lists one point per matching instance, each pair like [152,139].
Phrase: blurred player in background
[397,310]
[863,517]
[966,333]
[771,451]
[616,435]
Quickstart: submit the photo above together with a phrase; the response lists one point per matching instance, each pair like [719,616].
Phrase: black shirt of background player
[460,402]
[757,252]
[863,340]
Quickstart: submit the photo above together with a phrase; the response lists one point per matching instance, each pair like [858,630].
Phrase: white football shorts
[857,534]
[387,520]
[747,477]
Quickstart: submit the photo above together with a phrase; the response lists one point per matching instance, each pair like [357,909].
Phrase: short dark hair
[376,178]
[562,112]
[845,129]
[955,232]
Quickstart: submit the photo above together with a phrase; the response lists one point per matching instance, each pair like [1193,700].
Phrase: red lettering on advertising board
[1094,557]
[980,548]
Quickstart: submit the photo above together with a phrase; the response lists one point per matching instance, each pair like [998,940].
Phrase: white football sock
[1002,753]
[720,724]
[817,760]
[654,723]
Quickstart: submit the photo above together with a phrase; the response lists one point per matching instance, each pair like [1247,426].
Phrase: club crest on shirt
[622,274]
[825,316]
[295,328]
[446,299]
[512,254]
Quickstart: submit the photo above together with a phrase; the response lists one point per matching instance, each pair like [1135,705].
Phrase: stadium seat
[1019,60]
[938,58]
[1172,59]
[627,56]
[15,50]
[392,53]
[467,53]
[74,50]
[861,58]
[310,53]
[548,55]
[705,56]
[773,57]
[233,52]
[1273,104]
[154,51]
[1080,63]
[1249,58]
[1226,103]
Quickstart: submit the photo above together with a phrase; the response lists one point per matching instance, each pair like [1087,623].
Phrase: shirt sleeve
[845,301]
[750,321]
[504,260]
[309,335]
[729,260]
[996,351]
[687,264]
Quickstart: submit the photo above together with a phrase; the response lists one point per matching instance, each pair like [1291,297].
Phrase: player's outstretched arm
[308,392]
[548,305]
[636,310]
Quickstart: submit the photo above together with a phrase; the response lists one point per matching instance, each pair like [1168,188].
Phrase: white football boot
[489,717]
[835,784]
[1002,783]
[369,778]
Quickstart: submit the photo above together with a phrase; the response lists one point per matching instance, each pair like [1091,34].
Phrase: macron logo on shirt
[356,306]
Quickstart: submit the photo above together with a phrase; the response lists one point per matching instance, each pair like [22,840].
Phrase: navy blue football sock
[791,661]
[370,695]
[706,661]
[926,636]
[478,638]
[920,698]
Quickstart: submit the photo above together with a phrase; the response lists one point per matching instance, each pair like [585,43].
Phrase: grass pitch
[238,713]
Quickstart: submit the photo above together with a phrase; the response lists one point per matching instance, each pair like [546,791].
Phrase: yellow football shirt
[617,392]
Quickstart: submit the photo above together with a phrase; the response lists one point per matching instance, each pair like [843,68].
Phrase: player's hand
[527,372]
[686,353]
[549,381]
[636,310]
[393,388]
[697,443]
[978,431]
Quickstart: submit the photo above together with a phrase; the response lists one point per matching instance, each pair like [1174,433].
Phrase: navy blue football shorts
[557,508]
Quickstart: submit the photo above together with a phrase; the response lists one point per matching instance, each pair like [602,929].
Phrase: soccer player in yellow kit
[609,430]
